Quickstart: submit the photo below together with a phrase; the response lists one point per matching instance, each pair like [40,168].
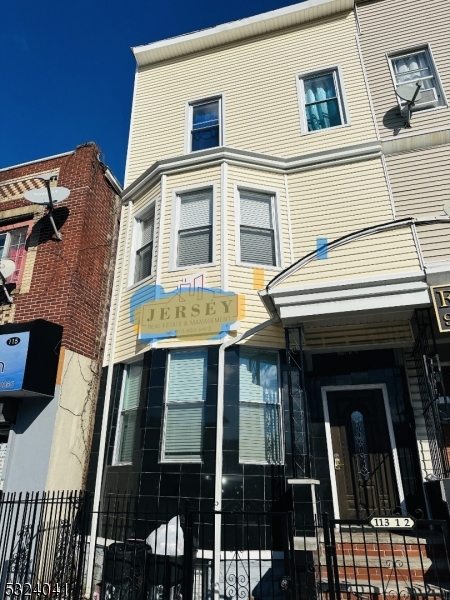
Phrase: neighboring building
[271,287]
[52,334]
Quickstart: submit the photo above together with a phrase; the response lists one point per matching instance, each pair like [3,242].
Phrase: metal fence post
[329,555]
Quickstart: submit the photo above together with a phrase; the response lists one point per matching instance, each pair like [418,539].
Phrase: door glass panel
[359,437]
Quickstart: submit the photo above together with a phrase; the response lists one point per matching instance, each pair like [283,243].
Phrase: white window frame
[336,70]
[141,215]
[189,116]
[276,220]
[162,458]
[280,412]
[175,225]
[442,100]
[119,425]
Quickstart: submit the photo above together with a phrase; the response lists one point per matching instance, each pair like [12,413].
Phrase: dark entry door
[362,453]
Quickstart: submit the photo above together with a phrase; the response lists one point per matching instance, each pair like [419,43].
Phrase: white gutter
[219,443]
[103,431]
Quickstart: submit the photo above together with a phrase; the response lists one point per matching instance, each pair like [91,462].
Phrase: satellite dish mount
[49,197]
[409,93]
[50,207]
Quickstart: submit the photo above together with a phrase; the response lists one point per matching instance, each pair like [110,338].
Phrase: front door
[362,453]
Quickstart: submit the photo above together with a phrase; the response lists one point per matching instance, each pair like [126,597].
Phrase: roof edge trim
[295,14]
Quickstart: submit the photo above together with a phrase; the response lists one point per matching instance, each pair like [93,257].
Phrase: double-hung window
[185,399]
[205,124]
[129,404]
[195,229]
[12,247]
[144,254]
[258,244]
[259,407]
[414,67]
[321,101]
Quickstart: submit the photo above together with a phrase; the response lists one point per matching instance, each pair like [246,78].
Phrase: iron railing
[140,553]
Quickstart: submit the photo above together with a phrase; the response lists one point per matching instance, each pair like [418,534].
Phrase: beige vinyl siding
[240,278]
[258,79]
[178,182]
[127,344]
[389,26]
[361,336]
[335,201]
[420,182]
[126,339]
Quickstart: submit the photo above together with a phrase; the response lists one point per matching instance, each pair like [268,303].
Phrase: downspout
[103,432]
[219,443]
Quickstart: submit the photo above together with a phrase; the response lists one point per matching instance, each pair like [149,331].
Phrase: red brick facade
[71,280]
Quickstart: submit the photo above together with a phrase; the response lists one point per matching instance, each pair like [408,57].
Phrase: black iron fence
[47,551]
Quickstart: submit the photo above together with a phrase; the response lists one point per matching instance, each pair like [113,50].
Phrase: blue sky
[67,70]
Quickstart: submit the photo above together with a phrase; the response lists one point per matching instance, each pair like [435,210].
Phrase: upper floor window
[259,407]
[144,229]
[129,404]
[195,228]
[205,124]
[321,101]
[12,246]
[258,243]
[417,66]
[185,399]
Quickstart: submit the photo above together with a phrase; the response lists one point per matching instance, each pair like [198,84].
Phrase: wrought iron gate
[435,403]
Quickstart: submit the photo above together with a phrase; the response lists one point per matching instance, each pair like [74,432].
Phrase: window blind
[259,407]
[195,233]
[129,412]
[186,393]
[257,231]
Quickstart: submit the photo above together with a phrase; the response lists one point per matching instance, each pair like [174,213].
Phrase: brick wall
[71,279]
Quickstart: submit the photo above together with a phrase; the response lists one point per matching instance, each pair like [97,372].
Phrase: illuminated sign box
[29,354]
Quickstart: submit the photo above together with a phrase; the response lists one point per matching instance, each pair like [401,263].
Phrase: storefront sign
[441,302]
[29,354]
[196,313]
[13,358]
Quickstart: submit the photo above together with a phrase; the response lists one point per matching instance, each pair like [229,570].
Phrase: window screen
[195,232]
[259,407]
[257,233]
[186,394]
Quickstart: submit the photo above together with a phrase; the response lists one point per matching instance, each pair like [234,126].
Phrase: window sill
[417,109]
[315,131]
[192,267]
[259,266]
[138,283]
[122,464]
[167,461]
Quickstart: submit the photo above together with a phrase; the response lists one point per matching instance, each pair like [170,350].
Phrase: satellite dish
[7,267]
[408,92]
[40,196]
[447,208]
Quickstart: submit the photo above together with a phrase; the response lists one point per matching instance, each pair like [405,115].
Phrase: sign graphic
[190,312]
[441,302]
[13,356]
